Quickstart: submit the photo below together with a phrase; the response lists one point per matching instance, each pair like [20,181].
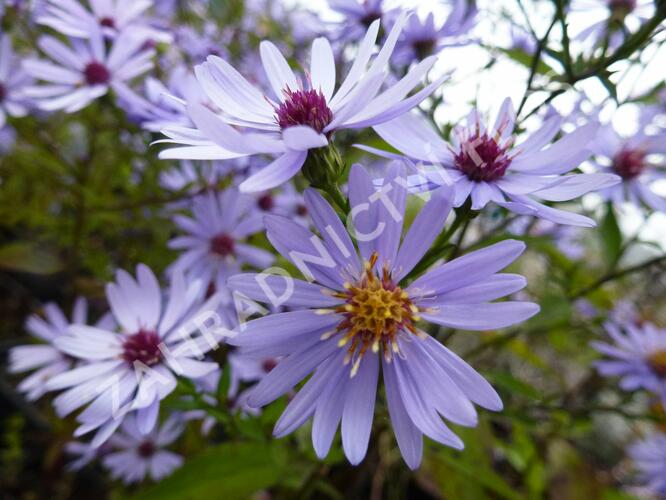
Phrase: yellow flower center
[657,361]
[376,310]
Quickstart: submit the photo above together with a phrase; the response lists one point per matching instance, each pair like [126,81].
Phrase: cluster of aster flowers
[260,143]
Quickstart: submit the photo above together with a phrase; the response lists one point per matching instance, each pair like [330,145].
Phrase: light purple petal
[485,316]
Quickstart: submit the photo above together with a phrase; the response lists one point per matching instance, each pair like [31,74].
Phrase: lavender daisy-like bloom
[46,358]
[421,37]
[135,368]
[85,70]
[139,455]
[71,18]
[214,247]
[649,456]
[359,16]
[639,162]
[302,117]
[486,166]
[614,19]
[638,356]
[359,313]
[12,81]
[163,106]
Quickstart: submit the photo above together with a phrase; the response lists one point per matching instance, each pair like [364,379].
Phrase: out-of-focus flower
[358,16]
[649,456]
[285,201]
[85,453]
[522,40]
[134,369]
[214,246]
[486,166]
[84,70]
[12,82]
[638,356]
[303,118]
[47,359]
[358,314]
[164,106]
[638,160]
[614,19]
[421,37]
[71,18]
[140,455]
[198,176]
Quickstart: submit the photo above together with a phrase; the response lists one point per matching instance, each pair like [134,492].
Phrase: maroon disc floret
[96,73]
[423,48]
[108,22]
[3,92]
[268,365]
[481,159]
[146,449]
[143,346]
[266,202]
[222,244]
[304,107]
[629,163]
[302,210]
[370,18]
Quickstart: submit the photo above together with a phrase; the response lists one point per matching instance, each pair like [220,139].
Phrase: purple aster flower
[638,356]
[637,161]
[139,455]
[12,81]
[164,106]
[614,19]
[214,247]
[421,37]
[84,70]
[286,201]
[358,313]
[133,369]
[192,175]
[302,117]
[484,165]
[85,453]
[359,16]
[71,18]
[649,456]
[46,358]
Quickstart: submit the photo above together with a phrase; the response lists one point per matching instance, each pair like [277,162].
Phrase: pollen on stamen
[376,311]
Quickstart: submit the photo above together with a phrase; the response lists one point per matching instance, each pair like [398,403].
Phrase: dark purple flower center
[96,73]
[268,365]
[375,311]
[108,22]
[304,107]
[423,48]
[146,449]
[370,17]
[482,159]
[629,163]
[266,202]
[302,210]
[3,92]
[143,346]
[222,244]
[622,7]
[657,362]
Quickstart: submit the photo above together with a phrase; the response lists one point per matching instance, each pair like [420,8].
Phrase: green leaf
[230,471]
[611,237]
[513,385]
[526,60]
[28,258]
